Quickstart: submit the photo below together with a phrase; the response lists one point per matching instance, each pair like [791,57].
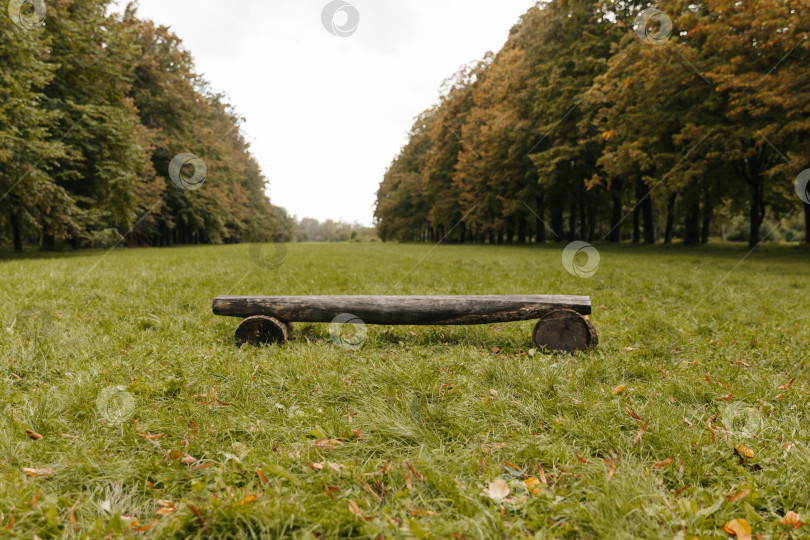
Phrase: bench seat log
[401,310]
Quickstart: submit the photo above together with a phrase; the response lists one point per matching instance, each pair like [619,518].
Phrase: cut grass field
[692,412]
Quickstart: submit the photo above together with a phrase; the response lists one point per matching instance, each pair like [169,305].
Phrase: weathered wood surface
[401,309]
[564,330]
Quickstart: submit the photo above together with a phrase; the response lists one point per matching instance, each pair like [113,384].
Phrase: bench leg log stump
[564,330]
[563,324]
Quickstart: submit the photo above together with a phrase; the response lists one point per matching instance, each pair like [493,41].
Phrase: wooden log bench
[563,320]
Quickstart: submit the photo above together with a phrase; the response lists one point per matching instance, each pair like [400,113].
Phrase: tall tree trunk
[757,210]
[572,221]
[16,234]
[647,216]
[708,213]
[48,242]
[510,231]
[557,220]
[541,227]
[806,223]
[670,219]
[616,217]
[691,232]
[522,228]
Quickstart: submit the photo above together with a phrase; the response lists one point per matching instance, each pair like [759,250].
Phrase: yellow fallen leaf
[739,528]
[187,459]
[738,496]
[743,451]
[531,482]
[659,464]
[248,499]
[262,477]
[792,519]
[497,490]
[165,511]
[619,389]
[37,472]
[33,434]
[354,509]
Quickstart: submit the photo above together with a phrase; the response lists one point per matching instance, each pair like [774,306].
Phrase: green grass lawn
[152,419]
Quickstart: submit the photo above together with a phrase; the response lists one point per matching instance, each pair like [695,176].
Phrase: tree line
[616,119]
[94,106]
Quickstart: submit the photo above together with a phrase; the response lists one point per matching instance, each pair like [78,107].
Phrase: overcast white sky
[326,114]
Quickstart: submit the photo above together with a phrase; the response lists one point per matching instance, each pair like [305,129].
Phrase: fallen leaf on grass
[632,413]
[541,472]
[496,350]
[248,499]
[357,434]
[787,385]
[791,518]
[10,524]
[368,488]
[637,438]
[408,482]
[166,507]
[497,490]
[73,516]
[531,482]
[187,459]
[727,397]
[415,473]
[37,472]
[262,477]
[581,459]
[33,434]
[743,451]
[330,489]
[630,349]
[612,469]
[619,389]
[354,509]
[739,528]
[422,513]
[382,470]
[150,436]
[737,496]
[135,526]
[327,444]
[659,464]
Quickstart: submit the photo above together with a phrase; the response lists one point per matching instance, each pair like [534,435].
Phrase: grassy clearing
[437,398]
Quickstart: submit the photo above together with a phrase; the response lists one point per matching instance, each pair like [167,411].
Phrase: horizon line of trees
[616,119]
[94,105]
